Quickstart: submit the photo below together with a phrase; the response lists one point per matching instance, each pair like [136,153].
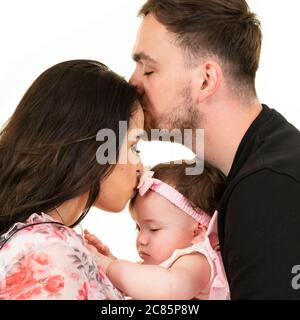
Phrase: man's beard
[184,115]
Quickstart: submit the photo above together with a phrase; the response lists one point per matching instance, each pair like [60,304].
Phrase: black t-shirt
[259,214]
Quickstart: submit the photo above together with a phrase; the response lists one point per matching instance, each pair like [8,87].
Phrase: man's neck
[224,131]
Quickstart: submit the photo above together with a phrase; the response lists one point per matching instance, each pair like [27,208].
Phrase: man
[196,62]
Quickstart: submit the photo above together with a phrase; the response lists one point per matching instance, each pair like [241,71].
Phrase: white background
[36,34]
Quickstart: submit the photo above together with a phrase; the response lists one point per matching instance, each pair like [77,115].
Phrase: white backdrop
[36,34]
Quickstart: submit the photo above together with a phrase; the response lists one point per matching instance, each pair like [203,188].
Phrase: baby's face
[162,228]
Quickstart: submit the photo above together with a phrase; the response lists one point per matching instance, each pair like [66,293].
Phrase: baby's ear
[199,233]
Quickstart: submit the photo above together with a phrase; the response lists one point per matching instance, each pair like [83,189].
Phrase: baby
[176,219]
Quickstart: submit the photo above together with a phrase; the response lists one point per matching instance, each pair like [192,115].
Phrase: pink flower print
[20,285]
[75,276]
[101,272]
[20,278]
[83,292]
[55,233]
[53,284]
[6,246]
[41,258]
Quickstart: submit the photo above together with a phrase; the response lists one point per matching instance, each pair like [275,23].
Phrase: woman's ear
[199,233]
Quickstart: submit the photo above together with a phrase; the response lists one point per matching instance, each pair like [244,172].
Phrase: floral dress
[43,259]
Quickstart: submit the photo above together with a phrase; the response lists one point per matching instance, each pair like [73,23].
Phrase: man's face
[163,79]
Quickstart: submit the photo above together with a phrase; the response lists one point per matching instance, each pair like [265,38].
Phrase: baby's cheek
[164,254]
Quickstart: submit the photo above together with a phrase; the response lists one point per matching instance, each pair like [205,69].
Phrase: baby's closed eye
[154,229]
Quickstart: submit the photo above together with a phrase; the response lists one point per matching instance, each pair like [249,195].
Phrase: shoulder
[49,261]
[43,245]
[28,234]
[192,263]
[191,260]
[264,200]
[191,273]
[263,210]
[262,228]
[265,187]
[54,242]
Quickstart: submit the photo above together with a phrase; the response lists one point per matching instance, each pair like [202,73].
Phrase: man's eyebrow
[137,57]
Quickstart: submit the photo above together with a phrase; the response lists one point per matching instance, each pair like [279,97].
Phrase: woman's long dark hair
[48,147]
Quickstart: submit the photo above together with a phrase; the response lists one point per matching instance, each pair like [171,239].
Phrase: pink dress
[50,261]
[217,288]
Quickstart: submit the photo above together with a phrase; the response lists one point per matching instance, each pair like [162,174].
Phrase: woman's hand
[93,241]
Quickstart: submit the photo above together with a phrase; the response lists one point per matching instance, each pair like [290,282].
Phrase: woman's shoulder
[49,261]
[38,230]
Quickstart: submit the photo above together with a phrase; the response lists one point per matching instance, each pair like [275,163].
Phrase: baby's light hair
[203,191]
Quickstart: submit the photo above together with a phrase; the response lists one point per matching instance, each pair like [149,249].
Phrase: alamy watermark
[296,279]
[107,152]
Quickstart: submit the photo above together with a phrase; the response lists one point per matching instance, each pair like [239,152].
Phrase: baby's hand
[94,242]
[103,261]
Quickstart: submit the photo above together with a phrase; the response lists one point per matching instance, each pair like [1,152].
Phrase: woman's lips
[134,193]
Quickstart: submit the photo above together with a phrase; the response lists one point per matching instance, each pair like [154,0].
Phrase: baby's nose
[142,240]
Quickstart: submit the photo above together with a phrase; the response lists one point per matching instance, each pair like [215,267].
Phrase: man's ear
[199,233]
[209,78]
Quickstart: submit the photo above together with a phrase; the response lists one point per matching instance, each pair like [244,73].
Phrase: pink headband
[168,192]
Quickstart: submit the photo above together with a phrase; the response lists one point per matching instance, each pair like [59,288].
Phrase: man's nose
[136,81]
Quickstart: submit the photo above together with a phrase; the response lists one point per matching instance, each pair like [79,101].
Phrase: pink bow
[170,193]
[219,289]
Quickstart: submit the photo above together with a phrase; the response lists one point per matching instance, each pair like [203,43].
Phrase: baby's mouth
[143,255]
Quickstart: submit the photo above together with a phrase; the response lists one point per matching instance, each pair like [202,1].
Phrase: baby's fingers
[93,240]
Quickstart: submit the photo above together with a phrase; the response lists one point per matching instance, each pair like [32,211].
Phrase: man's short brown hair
[224,28]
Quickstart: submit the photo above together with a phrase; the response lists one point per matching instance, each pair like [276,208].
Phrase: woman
[53,170]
